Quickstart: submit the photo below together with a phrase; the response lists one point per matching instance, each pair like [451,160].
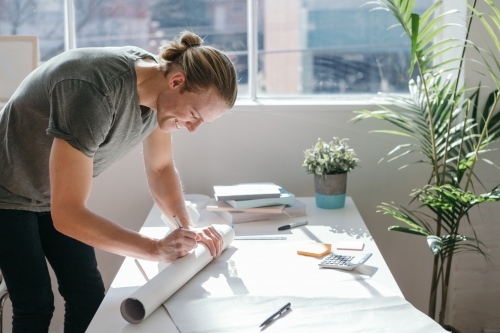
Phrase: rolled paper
[156,291]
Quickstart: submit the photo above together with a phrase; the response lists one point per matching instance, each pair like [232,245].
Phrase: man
[69,121]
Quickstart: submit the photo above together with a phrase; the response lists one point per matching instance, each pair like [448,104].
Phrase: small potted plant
[330,163]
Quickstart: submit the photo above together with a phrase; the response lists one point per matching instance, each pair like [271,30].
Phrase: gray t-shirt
[88,97]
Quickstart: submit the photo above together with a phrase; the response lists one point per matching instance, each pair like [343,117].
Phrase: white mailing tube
[156,291]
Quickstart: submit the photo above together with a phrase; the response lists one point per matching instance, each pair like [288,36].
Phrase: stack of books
[255,202]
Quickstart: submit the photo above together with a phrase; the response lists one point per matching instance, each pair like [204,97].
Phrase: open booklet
[157,290]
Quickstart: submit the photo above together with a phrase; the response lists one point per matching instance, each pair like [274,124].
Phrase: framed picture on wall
[18,57]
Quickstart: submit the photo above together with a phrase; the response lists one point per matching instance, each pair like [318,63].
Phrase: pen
[277,313]
[178,222]
[292,225]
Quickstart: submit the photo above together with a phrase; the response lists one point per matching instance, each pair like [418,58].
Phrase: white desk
[346,224]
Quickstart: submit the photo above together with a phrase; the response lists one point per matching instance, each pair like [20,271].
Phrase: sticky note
[350,245]
[314,249]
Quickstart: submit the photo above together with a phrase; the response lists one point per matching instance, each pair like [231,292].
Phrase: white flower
[332,158]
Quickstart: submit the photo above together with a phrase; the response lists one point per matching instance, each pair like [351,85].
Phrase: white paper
[270,268]
[249,282]
[150,296]
[322,314]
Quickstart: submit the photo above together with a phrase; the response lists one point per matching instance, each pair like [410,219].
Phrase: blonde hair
[205,67]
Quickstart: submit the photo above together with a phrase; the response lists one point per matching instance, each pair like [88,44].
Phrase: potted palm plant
[330,163]
[451,132]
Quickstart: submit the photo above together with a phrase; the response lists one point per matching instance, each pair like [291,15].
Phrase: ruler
[258,237]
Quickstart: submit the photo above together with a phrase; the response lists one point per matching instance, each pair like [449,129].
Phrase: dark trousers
[26,239]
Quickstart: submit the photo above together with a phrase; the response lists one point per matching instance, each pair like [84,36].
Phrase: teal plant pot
[330,190]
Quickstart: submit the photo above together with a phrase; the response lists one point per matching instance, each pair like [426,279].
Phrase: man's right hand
[176,245]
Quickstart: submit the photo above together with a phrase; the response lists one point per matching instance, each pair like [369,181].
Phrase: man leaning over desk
[70,120]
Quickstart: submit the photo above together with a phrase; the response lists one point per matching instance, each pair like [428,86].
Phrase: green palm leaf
[413,117]
[429,12]
[451,204]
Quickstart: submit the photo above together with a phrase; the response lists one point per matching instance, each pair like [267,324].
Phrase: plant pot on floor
[330,190]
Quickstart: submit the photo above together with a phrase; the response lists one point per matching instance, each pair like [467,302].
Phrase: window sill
[370,102]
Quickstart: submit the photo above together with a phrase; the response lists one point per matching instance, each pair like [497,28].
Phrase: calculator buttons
[343,261]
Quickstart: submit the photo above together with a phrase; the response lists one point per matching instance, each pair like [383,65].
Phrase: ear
[177,80]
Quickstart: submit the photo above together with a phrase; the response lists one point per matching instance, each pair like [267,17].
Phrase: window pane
[44,18]
[312,47]
[149,23]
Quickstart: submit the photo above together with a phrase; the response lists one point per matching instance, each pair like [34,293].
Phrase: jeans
[26,239]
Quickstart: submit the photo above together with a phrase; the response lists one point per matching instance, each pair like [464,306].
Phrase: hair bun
[190,39]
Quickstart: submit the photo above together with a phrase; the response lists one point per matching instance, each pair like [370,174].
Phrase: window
[324,47]
[281,48]
[149,23]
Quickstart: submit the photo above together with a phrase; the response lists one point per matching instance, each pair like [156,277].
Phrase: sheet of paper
[238,291]
[321,314]
[350,245]
[265,269]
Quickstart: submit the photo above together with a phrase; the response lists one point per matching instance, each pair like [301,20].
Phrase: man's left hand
[211,238]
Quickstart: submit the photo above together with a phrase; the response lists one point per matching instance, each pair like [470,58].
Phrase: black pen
[178,222]
[277,313]
[292,225]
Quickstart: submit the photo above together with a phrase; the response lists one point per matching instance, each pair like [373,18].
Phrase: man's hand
[176,245]
[211,238]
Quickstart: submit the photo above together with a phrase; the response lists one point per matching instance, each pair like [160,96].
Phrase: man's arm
[70,182]
[166,187]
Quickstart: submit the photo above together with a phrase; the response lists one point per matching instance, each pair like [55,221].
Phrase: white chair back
[3,296]
[3,286]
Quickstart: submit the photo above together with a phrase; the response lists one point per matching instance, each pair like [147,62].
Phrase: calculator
[344,261]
